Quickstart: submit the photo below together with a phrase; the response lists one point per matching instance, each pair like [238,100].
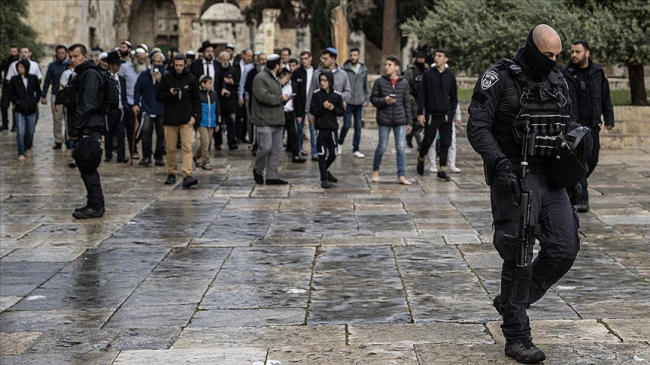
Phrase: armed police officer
[85,126]
[589,91]
[511,99]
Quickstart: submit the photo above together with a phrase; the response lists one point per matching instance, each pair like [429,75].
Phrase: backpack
[68,96]
[110,93]
[573,152]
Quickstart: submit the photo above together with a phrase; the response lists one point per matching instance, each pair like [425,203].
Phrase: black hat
[174,49]
[114,58]
[206,44]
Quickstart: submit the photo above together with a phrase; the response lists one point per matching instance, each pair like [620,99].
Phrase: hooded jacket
[88,112]
[209,109]
[599,90]
[437,94]
[25,99]
[358,83]
[398,113]
[341,84]
[179,108]
[324,118]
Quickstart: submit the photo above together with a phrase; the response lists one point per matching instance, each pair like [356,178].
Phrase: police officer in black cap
[85,126]
[512,98]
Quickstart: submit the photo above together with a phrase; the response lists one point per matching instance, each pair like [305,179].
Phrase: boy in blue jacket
[209,121]
[326,105]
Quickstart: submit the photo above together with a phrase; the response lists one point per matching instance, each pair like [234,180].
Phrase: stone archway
[221,22]
[154,23]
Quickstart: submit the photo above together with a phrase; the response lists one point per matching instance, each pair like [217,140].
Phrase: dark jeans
[240,123]
[593,161]
[357,112]
[292,135]
[5,104]
[326,145]
[115,129]
[129,124]
[559,241]
[300,128]
[149,123]
[435,124]
[93,185]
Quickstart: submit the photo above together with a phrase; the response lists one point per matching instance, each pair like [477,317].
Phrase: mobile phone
[392,96]
[156,71]
[177,89]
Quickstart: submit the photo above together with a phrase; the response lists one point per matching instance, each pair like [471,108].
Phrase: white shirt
[287,89]
[34,69]
[25,81]
[310,75]
[65,77]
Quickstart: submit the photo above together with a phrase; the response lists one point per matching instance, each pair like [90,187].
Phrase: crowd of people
[201,101]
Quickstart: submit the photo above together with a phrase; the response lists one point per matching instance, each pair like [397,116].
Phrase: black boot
[524,351]
[89,212]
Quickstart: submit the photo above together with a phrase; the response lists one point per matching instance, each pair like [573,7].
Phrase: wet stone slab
[151,316]
[408,334]
[561,331]
[325,355]
[16,342]
[266,336]
[61,358]
[225,356]
[42,320]
[248,317]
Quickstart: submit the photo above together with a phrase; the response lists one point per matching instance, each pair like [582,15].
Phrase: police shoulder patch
[489,79]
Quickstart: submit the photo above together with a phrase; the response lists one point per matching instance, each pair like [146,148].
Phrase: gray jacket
[358,83]
[267,102]
[341,84]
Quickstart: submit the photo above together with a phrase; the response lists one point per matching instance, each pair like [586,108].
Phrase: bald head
[547,41]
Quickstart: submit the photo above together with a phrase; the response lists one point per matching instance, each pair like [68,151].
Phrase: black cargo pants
[559,241]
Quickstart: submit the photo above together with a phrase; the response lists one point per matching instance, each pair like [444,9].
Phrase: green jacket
[267,104]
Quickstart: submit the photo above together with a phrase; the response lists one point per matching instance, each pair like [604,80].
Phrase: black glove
[575,193]
[506,181]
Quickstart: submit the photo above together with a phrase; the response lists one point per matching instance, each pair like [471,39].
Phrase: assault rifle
[527,231]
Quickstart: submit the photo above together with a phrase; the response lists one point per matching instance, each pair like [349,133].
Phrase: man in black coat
[179,91]
[228,102]
[589,92]
[4,68]
[85,125]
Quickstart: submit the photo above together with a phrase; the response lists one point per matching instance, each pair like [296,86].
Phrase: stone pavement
[364,273]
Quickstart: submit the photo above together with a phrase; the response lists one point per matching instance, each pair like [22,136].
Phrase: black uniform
[589,91]
[493,110]
[85,126]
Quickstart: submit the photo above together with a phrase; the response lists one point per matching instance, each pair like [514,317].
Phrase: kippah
[140,51]
[102,56]
[127,43]
[332,50]
[180,56]
[273,57]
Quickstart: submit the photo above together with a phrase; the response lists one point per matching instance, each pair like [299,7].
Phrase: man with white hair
[130,70]
[152,111]
[227,100]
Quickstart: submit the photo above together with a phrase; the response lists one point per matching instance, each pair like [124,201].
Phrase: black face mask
[533,62]
[419,65]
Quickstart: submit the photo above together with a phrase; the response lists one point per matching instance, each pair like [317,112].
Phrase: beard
[124,54]
[140,66]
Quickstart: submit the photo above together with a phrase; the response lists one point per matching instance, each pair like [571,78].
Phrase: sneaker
[524,351]
[145,162]
[135,156]
[433,168]
[339,149]
[443,176]
[72,163]
[171,179]
[4,127]
[189,181]
[314,157]
[28,153]
[583,206]
[108,158]
[358,154]
[453,169]
[159,162]
[233,147]
[88,212]
[420,166]
[21,157]
[276,182]
[298,159]
[81,208]
[304,153]
[57,146]
[259,179]
[331,178]
[325,184]
[206,166]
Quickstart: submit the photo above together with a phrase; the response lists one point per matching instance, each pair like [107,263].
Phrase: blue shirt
[127,70]
[53,76]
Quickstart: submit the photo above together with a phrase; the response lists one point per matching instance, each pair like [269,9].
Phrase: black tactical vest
[544,115]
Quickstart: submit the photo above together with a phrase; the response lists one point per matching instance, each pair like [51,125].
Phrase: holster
[489,174]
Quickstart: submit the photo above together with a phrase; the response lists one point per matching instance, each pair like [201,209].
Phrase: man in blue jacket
[145,101]
[589,92]
[52,77]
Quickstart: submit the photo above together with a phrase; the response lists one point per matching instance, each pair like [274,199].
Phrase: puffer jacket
[209,109]
[324,118]
[398,113]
